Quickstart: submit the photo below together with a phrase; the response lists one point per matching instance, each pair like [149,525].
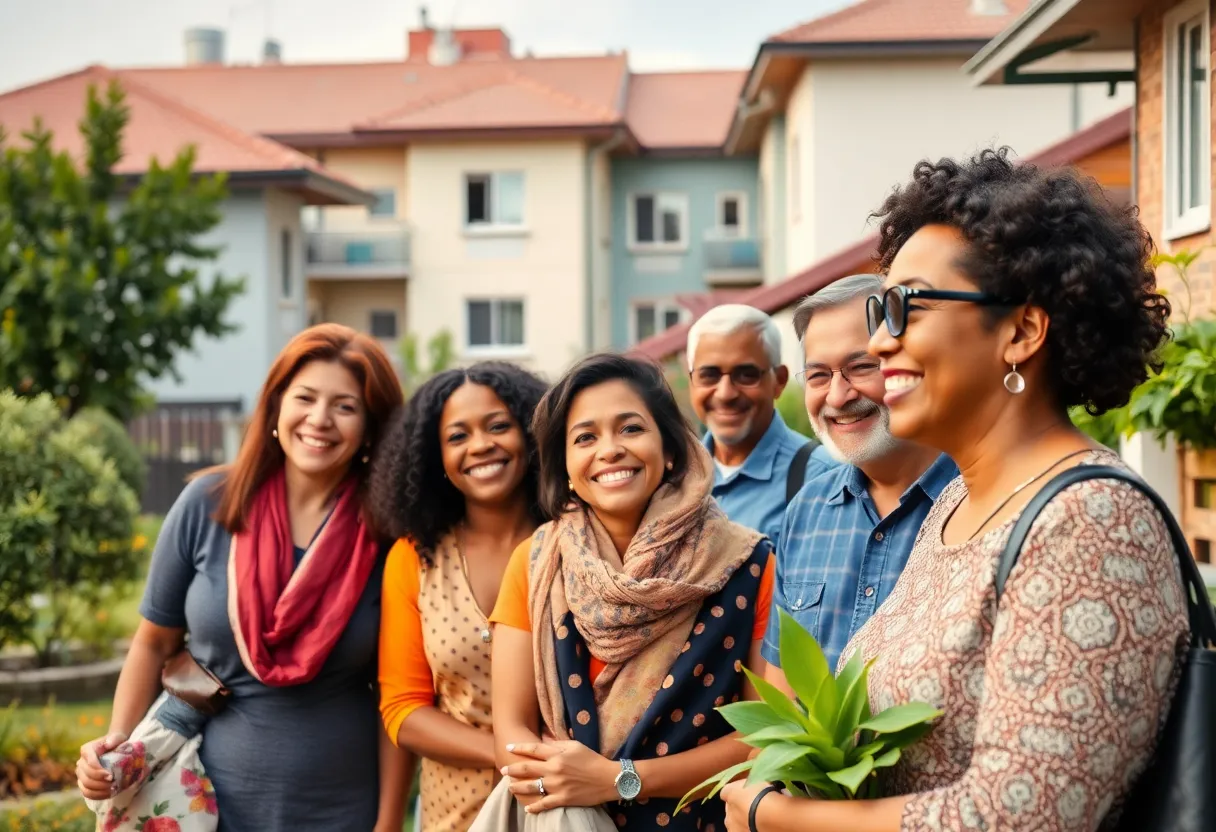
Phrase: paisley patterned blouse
[1054,701]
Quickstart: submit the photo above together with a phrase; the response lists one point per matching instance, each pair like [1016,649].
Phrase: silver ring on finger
[540,786]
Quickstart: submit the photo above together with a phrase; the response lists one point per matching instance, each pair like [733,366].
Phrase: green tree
[440,353]
[99,278]
[66,522]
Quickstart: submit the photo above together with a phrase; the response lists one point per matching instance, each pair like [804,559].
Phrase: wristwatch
[628,784]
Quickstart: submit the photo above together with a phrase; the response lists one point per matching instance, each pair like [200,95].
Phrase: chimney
[423,19]
[272,52]
[444,50]
[989,8]
[204,46]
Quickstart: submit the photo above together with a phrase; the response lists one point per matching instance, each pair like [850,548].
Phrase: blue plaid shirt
[839,561]
[754,496]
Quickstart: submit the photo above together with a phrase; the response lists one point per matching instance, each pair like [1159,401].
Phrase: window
[287,285]
[732,214]
[1187,121]
[494,199]
[386,202]
[496,323]
[652,318]
[383,324]
[658,220]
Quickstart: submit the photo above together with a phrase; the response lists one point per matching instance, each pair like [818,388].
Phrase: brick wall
[1198,521]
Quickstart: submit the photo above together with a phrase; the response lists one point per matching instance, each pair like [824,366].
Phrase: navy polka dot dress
[707,674]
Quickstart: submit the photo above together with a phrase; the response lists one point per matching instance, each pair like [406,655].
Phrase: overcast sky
[43,38]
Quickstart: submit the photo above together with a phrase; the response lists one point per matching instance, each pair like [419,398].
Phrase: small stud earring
[367,458]
[570,485]
[275,433]
[670,465]
[1014,382]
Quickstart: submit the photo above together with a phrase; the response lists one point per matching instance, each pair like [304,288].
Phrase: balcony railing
[359,252]
[732,261]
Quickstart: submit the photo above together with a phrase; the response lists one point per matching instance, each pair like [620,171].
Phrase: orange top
[432,653]
[512,606]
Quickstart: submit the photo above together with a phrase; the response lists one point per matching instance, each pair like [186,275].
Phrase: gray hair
[836,293]
[730,318]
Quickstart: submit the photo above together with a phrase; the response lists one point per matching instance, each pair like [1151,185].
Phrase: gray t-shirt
[282,759]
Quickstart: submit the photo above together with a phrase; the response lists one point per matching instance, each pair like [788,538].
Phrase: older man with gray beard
[848,533]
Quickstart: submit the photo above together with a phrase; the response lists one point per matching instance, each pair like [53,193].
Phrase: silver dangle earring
[367,456]
[1014,382]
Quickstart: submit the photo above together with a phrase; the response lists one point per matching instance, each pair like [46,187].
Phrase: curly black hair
[409,495]
[1053,239]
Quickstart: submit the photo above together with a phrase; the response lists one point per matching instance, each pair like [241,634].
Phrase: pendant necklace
[1024,486]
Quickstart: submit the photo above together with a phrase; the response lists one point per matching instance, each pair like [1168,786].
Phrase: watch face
[628,785]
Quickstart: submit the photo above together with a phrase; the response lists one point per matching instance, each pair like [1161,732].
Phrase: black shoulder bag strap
[1174,794]
[1202,617]
[797,473]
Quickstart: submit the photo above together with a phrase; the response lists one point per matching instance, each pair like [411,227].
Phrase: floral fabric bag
[160,785]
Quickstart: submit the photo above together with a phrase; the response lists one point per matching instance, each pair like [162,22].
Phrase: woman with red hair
[272,568]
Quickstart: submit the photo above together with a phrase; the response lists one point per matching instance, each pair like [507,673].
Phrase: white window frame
[631,216]
[724,232]
[493,224]
[1196,219]
[661,307]
[494,348]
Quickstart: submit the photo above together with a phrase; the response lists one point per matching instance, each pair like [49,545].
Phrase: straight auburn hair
[261,455]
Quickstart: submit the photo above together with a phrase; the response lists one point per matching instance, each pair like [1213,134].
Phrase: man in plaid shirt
[848,533]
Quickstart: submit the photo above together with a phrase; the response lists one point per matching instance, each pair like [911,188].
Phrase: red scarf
[286,619]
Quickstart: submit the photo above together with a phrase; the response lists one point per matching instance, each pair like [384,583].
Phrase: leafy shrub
[107,433]
[824,743]
[792,407]
[66,522]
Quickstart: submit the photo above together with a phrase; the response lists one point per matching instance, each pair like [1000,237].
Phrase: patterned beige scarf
[635,613]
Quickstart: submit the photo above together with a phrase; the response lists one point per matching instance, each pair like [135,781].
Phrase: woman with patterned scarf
[627,619]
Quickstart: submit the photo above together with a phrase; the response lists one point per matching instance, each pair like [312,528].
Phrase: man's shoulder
[821,484]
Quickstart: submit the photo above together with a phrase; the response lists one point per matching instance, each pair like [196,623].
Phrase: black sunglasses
[893,306]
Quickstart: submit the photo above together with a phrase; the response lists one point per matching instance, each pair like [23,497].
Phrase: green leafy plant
[792,406]
[1179,401]
[66,524]
[100,279]
[440,353]
[825,742]
[108,434]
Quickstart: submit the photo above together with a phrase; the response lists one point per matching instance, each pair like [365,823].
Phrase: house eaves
[1055,27]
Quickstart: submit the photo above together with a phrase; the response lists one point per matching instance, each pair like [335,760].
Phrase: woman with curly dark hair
[455,481]
[1014,293]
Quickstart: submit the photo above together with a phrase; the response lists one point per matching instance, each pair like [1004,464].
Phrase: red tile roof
[288,100]
[159,127]
[858,258]
[902,21]
[683,110]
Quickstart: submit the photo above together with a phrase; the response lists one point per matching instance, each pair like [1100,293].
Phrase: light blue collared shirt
[841,560]
[754,495]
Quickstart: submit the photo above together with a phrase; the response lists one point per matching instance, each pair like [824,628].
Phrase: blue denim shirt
[754,496]
[839,560]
